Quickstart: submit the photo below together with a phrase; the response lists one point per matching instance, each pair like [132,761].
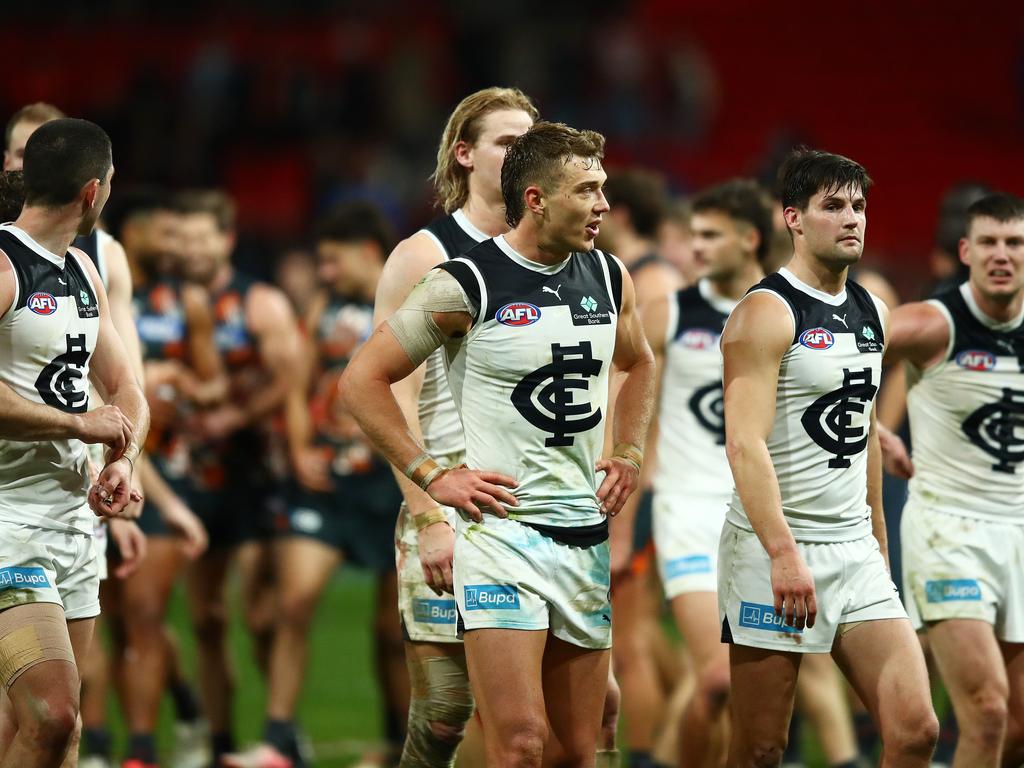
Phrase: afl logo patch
[518,313]
[817,338]
[42,303]
[698,338]
[976,360]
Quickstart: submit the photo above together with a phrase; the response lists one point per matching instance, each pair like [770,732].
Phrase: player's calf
[440,706]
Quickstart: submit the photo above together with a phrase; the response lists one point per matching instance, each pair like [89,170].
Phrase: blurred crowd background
[292,106]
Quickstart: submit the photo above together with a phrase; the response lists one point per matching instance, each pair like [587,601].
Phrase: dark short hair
[741,200]
[211,201]
[136,202]
[354,222]
[642,193]
[61,157]
[952,224]
[999,206]
[12,194]
[809,171]
[538,157]
[40,112]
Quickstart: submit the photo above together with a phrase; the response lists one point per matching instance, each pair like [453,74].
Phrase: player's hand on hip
[437,548]
[895,456]
[131,543]
[472,490]
[106,424]
[620,480]
[111,494]
[793,588]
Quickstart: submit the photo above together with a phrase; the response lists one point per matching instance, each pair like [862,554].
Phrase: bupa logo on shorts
[517,314]
[688,565]
[817,338]
[306,520]
[42,303]
[759,616]
[698,338]
[976,360]
[492,597]
[945,590]
[434,611]
[23,578]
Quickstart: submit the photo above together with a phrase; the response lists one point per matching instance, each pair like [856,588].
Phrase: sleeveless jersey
[439,421]
[967,416]
[92,245]
[827,384]
[345,324]
[46,340]
[691,428]
[530,379]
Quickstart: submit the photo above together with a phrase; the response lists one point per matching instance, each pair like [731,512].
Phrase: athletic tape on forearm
[630,453]
[428,518]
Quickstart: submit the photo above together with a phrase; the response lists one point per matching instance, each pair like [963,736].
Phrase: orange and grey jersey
[691,419]
[967,416]
[47,338]
[530,378]
[454,235]
[828,379]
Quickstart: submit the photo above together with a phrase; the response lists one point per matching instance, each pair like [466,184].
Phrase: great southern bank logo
[23,578]
[945,590]
[760,616]
[517,314]
[434,611]
[817,338]
[492,597]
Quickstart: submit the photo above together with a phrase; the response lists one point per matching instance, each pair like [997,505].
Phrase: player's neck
[1001,309]
[815,274]
[526,243]
[52,229]
[487,217]
[630,248]
[735,286]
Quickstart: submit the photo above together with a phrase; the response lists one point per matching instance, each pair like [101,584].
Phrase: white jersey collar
[29,242]
[468,226]
[721,303]
[988,322]
[814,293]
[518,258]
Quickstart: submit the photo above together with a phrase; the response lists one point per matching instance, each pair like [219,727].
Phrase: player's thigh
[304,566]
[969,659]
[146,592]
[884,664]
[762,691]
[204,582]
[39,666]
[575,686]
[696,615]
[506,675]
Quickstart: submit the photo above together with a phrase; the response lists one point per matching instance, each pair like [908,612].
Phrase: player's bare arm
[758,334]
[21,419]
[206,382]
[633,406]
[408,263]
[874,494]
[119,298]
[311,467]
[113,375]
[918,334]
[366,390]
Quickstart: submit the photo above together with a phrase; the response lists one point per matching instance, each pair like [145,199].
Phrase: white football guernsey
[46,340]
[827,384]
[967,416]
[530,379]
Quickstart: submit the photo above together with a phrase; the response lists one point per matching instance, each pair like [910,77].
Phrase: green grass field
[340,709]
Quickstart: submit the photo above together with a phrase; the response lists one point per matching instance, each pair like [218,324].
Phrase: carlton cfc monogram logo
[829,419]
[61,384]
[998,429]
[545,397]
[708,407]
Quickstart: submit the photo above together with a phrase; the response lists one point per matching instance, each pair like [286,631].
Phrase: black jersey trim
[467,280]
[614,278]
[578,536]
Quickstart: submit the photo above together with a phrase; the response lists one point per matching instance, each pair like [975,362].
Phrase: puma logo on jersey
[61,281]
[841,320]
[545,289]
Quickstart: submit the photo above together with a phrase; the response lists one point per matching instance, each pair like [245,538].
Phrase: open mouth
[593,229]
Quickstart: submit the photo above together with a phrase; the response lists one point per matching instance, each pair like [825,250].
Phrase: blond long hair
[451,180]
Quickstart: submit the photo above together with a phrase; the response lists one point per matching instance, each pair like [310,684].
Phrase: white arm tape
[413,323]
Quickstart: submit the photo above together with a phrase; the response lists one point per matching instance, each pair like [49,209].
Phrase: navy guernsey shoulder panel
[453,238]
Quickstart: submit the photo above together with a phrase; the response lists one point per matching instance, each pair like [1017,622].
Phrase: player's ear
[792,215]
[533,197]
[751,238]
[88,193]
[965,248]
[464,154]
